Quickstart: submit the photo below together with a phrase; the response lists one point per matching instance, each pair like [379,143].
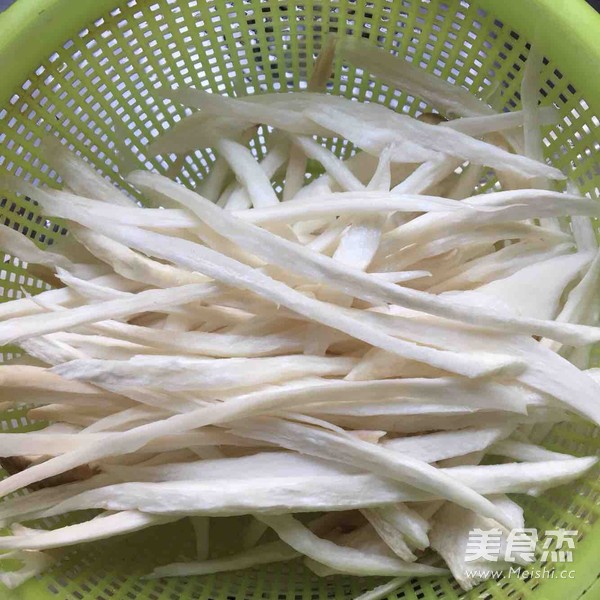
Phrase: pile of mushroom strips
[306,334]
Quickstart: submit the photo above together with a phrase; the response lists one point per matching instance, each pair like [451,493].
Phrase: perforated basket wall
[95,89]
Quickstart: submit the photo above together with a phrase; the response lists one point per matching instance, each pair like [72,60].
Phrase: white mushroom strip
[265,554]
[279,495]
[346,560]
[168,373]
[99,528]
[439,446]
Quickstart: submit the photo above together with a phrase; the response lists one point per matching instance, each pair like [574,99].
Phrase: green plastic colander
[86,69]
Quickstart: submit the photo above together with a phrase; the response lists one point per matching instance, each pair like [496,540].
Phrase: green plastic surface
[86,69]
